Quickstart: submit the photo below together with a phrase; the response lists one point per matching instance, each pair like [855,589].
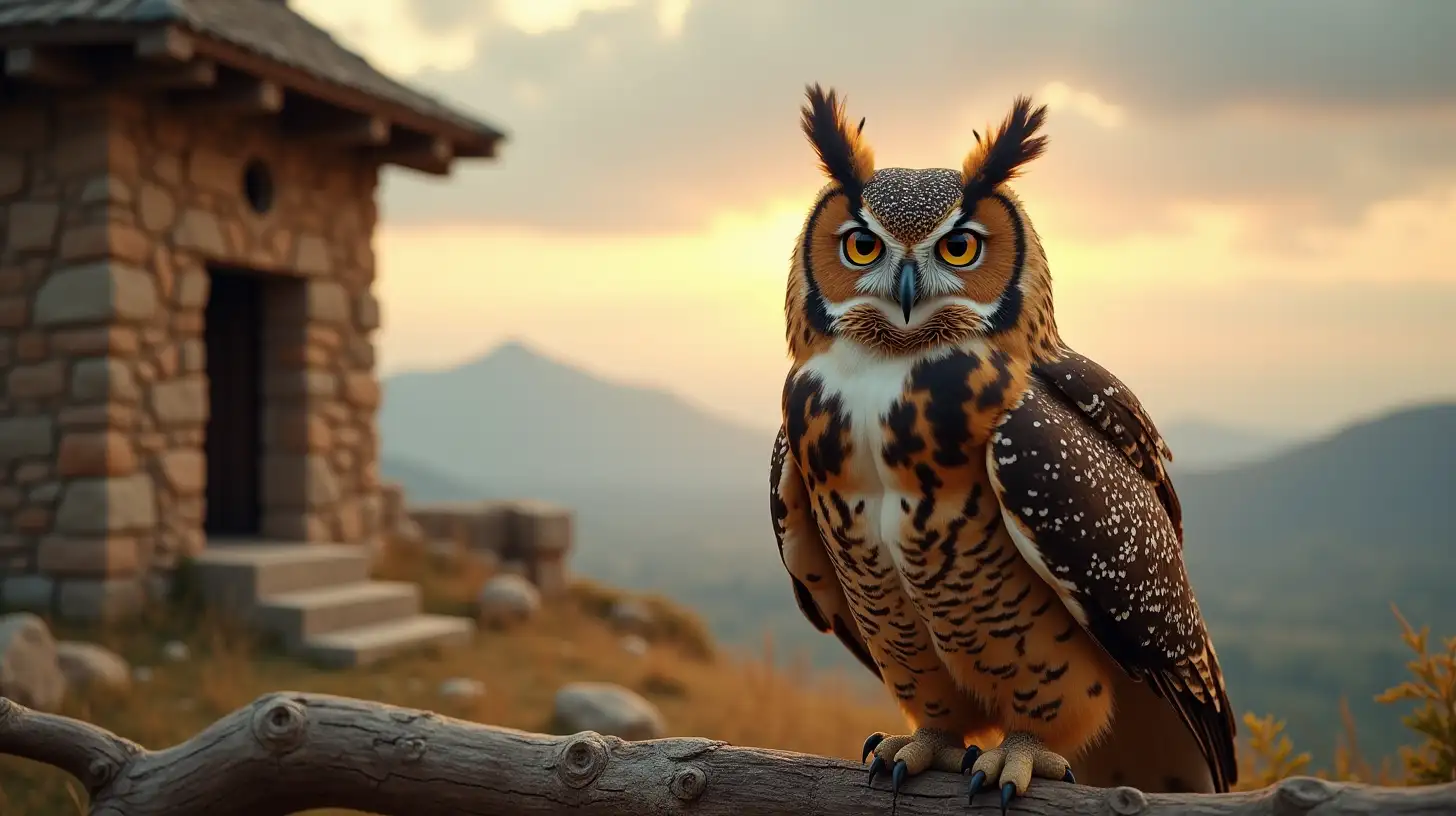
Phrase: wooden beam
[166,45]
[235,96]
[427,154]
[157,76]
[342,128]
[46,66]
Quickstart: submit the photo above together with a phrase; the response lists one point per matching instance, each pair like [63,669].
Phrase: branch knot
[1126,801]
[582,759]
[281,725]
[688,783]
[1305,792]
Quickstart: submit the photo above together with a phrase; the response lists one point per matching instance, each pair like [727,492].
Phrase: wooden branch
[46,66]
[427,154]
[235,95]
[291,751]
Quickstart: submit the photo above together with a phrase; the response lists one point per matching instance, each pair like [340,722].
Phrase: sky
[1249,208]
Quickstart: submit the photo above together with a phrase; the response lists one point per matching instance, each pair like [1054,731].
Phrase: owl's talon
[973,753]
[977,780]
[897,777]
[1016,761]
[871,743]
[1068,777]
[875,769]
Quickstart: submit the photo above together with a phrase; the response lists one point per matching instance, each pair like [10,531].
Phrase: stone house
[187,200]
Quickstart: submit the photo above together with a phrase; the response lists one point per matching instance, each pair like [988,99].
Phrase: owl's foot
[1014,762]
[907,756]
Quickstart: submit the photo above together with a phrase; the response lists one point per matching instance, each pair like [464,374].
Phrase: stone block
[185,471]
[12,173]
[106,415]
[311,256]
[105,506]
[103,379]
[157,208]
[33,520]
[192,288]
[96,341]
[96,453]
[328,302]
[33,225]
[180,402]
[201,232]
[539,530]
[14,312]
[361,389]
[107,189]
[97,292]
[108,556]
[99,600]
[366,312]
[25,437]
[108,239]
[37,381]
[30,592]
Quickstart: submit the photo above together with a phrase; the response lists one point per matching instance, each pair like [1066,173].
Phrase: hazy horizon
[1254,234]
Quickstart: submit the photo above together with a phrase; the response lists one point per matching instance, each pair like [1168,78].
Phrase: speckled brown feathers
[998,159]
[1100,535]
[844,157]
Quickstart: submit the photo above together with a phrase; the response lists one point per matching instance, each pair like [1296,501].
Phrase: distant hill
[1296,550]
[516,421]
[1201,445]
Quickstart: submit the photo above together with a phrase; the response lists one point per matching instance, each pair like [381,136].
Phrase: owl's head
[902,260]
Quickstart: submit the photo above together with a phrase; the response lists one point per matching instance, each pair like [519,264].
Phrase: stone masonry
[112,213]
[528,537]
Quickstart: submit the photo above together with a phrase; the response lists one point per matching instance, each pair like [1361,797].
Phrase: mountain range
[1296,547]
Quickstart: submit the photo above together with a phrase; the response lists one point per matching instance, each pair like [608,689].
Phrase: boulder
[30,673]
[87,665]
[507,599]
[607,708]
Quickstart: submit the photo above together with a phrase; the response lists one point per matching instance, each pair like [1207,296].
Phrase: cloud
[1304,110]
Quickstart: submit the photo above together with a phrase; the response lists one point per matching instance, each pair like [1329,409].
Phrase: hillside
[1200,445]
[1296,555]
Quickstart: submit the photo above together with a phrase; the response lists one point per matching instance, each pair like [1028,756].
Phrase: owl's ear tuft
[998,158]
[843,155]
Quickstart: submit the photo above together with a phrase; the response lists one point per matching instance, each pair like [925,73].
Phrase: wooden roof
[245,57]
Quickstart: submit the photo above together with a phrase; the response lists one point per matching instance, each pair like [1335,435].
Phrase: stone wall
[111,214]
[532,538]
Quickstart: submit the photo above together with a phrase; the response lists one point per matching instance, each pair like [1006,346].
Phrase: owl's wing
[816,586]
[1083,511]
[1118,414]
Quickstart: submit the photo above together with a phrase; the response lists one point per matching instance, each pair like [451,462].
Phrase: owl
[980,514]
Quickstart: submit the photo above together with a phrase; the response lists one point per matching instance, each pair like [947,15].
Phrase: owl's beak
[906,283]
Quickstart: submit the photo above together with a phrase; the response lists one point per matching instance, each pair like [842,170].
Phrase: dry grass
[748,701]
[1268,755]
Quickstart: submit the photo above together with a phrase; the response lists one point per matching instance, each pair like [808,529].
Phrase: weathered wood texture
[288,751]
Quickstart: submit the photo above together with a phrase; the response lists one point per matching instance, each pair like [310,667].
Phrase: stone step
[298,616]
[235,576]
[363,645]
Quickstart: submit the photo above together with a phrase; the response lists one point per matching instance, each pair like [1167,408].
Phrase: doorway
[233,445]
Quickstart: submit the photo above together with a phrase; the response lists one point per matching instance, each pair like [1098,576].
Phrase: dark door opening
[233,336]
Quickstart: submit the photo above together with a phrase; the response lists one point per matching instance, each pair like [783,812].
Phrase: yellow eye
[862,247]
[959,248]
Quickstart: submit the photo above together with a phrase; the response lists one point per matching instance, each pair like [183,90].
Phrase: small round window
[258,186]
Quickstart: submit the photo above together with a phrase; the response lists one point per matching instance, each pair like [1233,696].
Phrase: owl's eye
[862,247]
[960,248]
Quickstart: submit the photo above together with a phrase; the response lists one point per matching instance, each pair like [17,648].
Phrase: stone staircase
[319,600]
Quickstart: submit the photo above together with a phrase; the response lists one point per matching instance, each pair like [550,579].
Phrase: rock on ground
[87,665]
[607,708]
[507,599]
[462,688]
[632,615]
[30,674]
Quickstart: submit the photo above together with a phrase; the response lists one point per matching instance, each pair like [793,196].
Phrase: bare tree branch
[288,751]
